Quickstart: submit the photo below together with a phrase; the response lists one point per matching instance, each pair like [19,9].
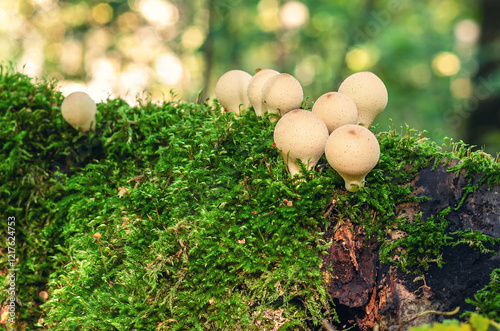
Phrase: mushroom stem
[352,183]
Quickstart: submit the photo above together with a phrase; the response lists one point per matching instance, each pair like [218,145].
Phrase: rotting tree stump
[368,293]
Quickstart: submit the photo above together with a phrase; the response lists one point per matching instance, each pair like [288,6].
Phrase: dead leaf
[4,314]
[122,191]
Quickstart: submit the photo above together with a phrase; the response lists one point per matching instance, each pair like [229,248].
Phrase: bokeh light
[193,38]
[361,58]
[159,12]
[293,14]
[102,13]
[446,64]
[461,88]
[467,31]
[268,15]
[169,69]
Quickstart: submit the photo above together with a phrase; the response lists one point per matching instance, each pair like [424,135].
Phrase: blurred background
[438,58]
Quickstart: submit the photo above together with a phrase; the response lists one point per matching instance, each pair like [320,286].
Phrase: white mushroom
[300,134]
[79,110]
[231,90]
[336,109]
[255,89]
[353,151]
[282,93]
[368,93]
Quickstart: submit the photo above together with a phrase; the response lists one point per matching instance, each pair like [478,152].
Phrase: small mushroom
[282,93]
[300,134]
[368,93]
[231,90]
[255,90]
[336,109]
[353,151]
[44,295]
[78,109]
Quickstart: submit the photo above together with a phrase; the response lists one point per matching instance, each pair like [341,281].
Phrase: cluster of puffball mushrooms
[336,126]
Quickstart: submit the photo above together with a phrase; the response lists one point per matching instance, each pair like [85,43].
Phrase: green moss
[422,244]
[487,299]
[200,225]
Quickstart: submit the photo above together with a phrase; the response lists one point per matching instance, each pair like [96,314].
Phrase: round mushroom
[336,109]
[353,151]
[300,134]
[368,93]
[255,90]
[79,110]
[282,93]
[231,90]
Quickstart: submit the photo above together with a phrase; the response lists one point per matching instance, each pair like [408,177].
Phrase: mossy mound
[178,216]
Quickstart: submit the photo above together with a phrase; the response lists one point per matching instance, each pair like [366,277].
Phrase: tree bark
[368,293]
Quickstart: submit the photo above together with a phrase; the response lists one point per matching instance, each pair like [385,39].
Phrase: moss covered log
[181,216]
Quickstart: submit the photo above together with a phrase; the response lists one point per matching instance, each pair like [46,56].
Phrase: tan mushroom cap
[282,93]
[368,93]
[336,109]
[353,151]
[255,90]
[231,90]
[300,134]
[79,110]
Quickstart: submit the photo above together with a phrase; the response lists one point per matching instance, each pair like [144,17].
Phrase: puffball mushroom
[282,93]
[231,90]
[353,151]
[300,134]
[368,93]
[78,109]
[255,90]
[336,109]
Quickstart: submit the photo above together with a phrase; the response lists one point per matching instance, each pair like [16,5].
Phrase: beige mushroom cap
[368,93]
[300,134]
[79,110]
[353,151]
[336,109]
[231,90]
[255,90]
[282,93]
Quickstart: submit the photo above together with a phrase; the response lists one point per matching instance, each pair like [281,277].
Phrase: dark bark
[367,293]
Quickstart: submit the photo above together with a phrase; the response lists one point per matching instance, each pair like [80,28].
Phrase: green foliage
[424,240]
[422,244]
[476,323]
[475,239]
[477,162]
[487,299]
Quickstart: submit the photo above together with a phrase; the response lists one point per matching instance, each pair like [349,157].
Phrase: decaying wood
[382,297]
